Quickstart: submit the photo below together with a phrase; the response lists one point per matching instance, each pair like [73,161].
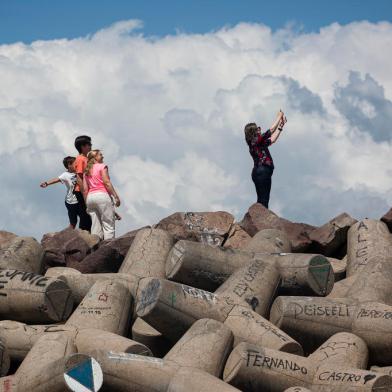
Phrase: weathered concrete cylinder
[21,337]
[80,283]
[202,350]
[253,368]
[253,285]
[207,268]
[269,241]
[147,255]
[87,340]
[173,308]
[4,358]
[373,283]
[42,369]
[205,346]
[34,298]
[201,382]
[312,320]
[203,266]
[344,350]
[22,253]
[333,367]
[107,306]
[305,272]
[344,379]
[146,258]
[129,372]
[367,241]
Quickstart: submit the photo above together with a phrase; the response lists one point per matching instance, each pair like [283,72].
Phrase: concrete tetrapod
[269,241]
[368,242]
[21,338]
[147,254]
[337,366]
[33,298]
[253,285]
[207,268]
[313,320]
[193,364]
[146,258]
[80,284]
[173,308]
[107,307]
[42,369]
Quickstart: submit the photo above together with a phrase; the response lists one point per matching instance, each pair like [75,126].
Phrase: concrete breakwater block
[34,298]
[193,364]
[173,308]
[207,268]
[338,365]
[313,320]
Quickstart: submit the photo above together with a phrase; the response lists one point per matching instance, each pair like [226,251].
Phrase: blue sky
[47,19]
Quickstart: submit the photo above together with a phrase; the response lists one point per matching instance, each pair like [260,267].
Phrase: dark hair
[250,131]
[81,141]
[67,161]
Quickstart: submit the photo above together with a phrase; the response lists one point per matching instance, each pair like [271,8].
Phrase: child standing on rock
[68,178]
[83,145]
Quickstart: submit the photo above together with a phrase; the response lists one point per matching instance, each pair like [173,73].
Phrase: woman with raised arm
[263,168]
[98,192]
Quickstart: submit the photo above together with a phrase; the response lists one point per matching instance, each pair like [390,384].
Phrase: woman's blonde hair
[250,131]
[91,159]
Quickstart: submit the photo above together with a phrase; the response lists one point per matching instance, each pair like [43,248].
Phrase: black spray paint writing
[320,310]
[255,358]
[7,275]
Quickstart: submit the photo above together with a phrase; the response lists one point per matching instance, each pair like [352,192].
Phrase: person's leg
[262,178]
[85,219]
[93,210]
[107,216]
[72,214]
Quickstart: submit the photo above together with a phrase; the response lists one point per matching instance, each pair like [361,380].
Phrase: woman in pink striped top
[98,192]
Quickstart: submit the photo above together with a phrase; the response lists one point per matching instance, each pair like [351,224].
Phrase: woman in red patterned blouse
[258,143]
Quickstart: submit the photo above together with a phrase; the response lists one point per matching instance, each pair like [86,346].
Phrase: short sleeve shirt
[94,179]
[258,149]
[69,180]
[80,165]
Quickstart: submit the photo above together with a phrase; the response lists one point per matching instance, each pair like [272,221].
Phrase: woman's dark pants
[262,177]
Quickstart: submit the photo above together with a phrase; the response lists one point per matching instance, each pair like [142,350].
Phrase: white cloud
[169,114]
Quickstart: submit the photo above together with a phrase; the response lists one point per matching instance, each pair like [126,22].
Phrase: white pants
[101,209]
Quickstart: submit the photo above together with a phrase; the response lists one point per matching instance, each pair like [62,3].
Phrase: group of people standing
[90,195]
